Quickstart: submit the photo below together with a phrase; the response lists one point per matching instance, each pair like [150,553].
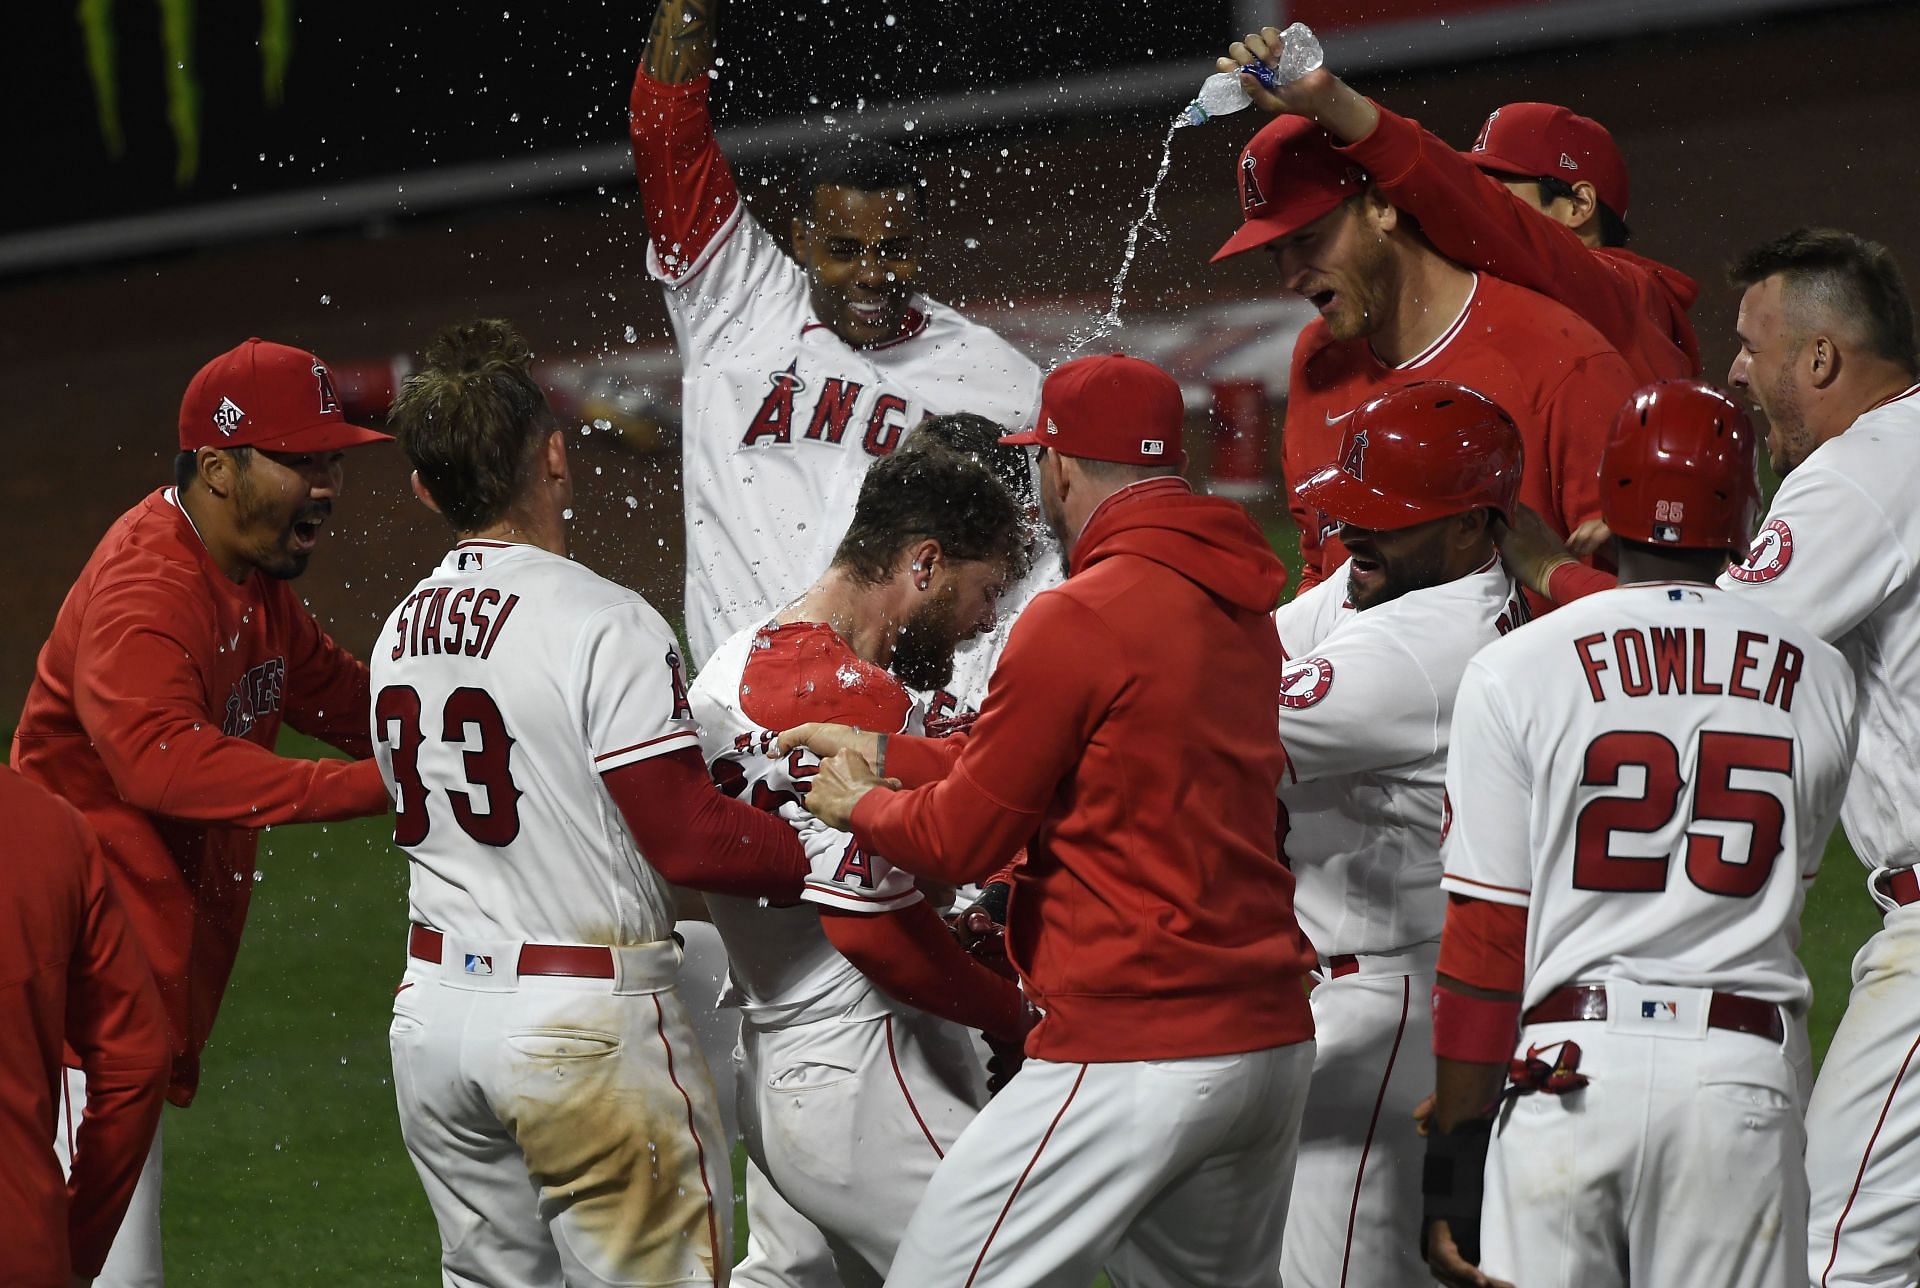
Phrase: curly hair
[928,493]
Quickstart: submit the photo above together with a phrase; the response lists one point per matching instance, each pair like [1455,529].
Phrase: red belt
[1903,886]
[1340,967]
[582,960]
[1725,1011]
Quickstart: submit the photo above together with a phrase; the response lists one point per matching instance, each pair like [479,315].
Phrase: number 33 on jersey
[469,710]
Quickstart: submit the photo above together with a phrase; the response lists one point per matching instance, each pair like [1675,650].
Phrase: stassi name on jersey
[1638,661]
[440,619]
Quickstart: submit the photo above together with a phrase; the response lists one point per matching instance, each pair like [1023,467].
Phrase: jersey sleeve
[1486,831]
[846,876]
[632,688]
[1357,703]
[1472,218]
[327,688]
[1579,412]
[144,703]
[1827,555]
[1310,616]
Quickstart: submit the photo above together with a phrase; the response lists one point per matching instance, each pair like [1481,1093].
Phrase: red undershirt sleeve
[1571,581]
[1484,944]
[696,837]
[910,956]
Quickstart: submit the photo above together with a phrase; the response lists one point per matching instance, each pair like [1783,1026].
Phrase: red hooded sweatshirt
[1131,740]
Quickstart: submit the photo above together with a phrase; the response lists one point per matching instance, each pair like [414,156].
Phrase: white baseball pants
[1354,1221]
[1167,1172]
[565,1129]
[849,1119]
[134,1260]
[1863,1126]
[784,1250]
[1679,1162]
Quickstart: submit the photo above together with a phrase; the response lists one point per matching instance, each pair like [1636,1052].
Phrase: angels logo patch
[1355,461]
[1772,552]
[1305,682]
[1252,200]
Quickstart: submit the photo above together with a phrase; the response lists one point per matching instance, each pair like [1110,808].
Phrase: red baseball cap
[270,396]
[1109,407]
[1290,175]
[1528,140]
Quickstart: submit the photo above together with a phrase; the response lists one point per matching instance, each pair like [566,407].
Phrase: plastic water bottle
[1225,93]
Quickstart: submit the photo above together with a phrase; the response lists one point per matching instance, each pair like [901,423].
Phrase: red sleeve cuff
[1571,581]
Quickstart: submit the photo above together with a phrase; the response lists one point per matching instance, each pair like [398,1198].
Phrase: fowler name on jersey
[1639,660]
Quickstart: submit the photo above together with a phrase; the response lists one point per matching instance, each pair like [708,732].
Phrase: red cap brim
[1258,232]
[327,436]
[1025,438]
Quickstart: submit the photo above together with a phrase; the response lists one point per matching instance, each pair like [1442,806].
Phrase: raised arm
[680,42]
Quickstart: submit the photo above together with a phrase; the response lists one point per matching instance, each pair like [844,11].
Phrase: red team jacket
[154,709]
[1553,373]
[70,974]
[1132,733]
[1639,305]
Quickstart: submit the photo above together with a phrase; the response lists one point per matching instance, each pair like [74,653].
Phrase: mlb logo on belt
[1667,1011]
[479,964]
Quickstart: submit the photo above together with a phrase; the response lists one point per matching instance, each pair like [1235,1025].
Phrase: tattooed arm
[680,44]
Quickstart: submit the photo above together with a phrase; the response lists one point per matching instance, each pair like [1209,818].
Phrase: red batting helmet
[1680,469]
[1419,452]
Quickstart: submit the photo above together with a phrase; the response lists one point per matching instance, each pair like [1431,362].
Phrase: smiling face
[861,251]
[1766,370]
[1342,265]
[280,503]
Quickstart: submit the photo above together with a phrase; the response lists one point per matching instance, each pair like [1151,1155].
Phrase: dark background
[1734,134]
[381,86]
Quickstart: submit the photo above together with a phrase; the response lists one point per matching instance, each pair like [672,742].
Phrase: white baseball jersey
[1365,704]
[765,679]
[1652,772]
[781,417]
[504,686]
[1839,553]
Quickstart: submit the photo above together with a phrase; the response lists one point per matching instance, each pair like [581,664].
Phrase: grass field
[289,1170]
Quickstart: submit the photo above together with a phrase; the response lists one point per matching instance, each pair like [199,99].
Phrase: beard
[923,652]
[1788,443]
[1414,570]
[276,555]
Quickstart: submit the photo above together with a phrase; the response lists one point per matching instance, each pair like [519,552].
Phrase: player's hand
[1589,537]
[825,740]
[843,779]
[1423,1115]
[981,931]
[1449,1267]
[1530,549]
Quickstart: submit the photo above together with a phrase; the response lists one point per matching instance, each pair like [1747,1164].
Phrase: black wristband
[993,900]
[1453,1181]
[880,754]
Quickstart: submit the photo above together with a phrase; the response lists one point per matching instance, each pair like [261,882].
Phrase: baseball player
[1539,200]
[850,1095]
[1374,655]
[1129,740]
[801,371]
[172,664]
[531,720]
[1641,787]
[1394,310]
[75,979]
